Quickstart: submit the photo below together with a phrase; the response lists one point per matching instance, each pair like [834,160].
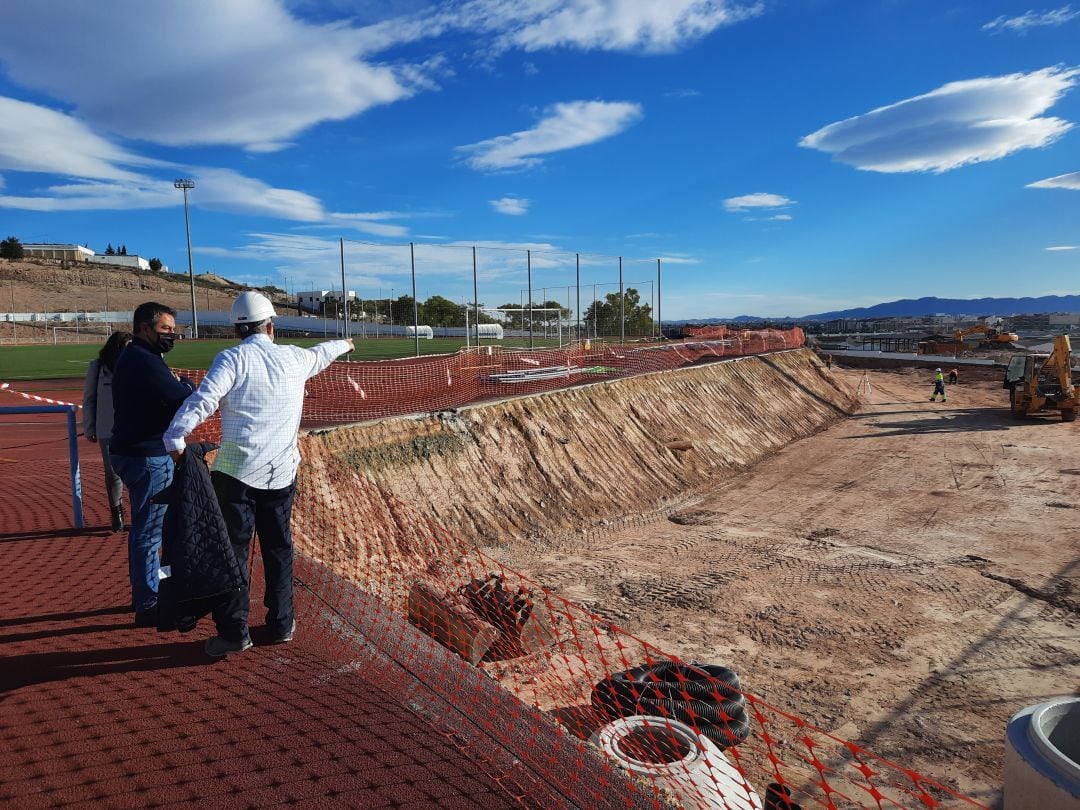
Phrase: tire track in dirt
[836,576]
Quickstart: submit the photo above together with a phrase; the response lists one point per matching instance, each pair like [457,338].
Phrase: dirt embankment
[540,468]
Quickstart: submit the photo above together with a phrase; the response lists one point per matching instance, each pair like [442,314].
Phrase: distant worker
[259,386]
[98,417]
[939,386]
[954,375]
[828,361]
[146,394]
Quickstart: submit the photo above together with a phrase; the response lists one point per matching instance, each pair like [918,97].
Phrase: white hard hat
[936,369]
[251,307]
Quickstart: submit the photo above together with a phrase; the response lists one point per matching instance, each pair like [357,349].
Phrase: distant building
[1065,319]
[120,261]
[70,253]
[313,300]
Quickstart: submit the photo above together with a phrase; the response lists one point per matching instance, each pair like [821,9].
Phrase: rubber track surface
[96,713]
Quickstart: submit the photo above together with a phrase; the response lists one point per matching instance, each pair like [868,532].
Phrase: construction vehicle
[991,336]
[1043,382]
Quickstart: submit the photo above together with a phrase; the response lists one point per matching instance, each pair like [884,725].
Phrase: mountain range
[921,307]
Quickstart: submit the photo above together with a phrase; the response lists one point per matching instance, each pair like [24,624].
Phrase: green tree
[123,250]
[110,250]
[602,318]
[155,264]
[439,311]
[402,309]
[11,248]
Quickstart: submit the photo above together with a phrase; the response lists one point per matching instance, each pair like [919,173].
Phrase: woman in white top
[98,417]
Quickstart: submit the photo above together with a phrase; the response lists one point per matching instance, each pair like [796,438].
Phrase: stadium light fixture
[184,184]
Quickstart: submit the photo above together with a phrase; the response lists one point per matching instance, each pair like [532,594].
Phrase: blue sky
[778,156]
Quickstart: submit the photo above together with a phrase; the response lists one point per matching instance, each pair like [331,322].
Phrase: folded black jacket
[195,546]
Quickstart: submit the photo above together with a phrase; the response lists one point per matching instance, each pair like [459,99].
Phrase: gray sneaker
[285,637]
[218,646]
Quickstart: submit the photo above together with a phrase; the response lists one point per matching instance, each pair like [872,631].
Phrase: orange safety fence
[693,735]
[690,734]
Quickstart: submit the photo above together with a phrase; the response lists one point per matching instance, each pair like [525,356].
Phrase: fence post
[622,306]
[476,304]
[528,259]
[415,309]
[76,478]
[659,298]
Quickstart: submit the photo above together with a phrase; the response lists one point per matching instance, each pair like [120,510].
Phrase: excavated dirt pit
[900,573]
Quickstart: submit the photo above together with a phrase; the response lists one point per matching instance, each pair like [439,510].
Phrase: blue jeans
[144,477]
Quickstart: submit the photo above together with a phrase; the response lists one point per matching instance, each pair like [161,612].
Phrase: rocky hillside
[40,285]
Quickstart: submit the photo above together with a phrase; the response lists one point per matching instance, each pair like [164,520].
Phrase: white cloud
[1031,19]
[682,93]
[245,72]
[215,189]
[37,139]
[1064,247]
[959,123]
[513,206]
[639,26]
[757,201]
[566,125]
[372,223]
[651,26]
[1070,181]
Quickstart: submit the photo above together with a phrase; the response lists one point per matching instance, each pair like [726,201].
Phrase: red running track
[95,713]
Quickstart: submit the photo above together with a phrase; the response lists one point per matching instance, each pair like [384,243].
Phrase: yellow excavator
[1043,382]
[991,335]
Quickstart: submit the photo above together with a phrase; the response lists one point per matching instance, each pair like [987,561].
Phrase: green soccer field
[48,362]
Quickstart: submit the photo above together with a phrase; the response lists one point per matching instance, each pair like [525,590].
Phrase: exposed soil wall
[545,466]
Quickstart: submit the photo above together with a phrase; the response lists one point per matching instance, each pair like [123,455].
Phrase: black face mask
[165,342]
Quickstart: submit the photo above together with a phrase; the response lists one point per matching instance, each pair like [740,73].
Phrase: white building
[121,261]
[71,253]
[312,300]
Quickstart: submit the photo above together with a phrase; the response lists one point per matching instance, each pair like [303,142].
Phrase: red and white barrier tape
[7,388]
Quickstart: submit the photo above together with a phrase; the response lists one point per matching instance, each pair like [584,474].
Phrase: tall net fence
[358,391]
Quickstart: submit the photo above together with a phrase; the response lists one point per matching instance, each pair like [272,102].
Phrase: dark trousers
[266,512]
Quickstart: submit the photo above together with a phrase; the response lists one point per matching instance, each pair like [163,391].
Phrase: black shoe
[285,637]
[146,618]
[118,518]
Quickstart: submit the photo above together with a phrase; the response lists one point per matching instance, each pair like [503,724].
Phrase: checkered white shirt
[259,387]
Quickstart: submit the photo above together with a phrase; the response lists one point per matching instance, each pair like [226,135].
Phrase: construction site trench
[898,573]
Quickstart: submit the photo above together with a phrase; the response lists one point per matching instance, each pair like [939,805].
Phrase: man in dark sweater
[146,394]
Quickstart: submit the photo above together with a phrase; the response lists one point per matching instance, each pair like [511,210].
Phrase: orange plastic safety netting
[689,734]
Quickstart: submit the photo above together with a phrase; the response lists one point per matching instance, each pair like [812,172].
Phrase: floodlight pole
[184,184]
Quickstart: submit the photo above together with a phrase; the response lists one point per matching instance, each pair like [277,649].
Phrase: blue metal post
[73,448]
[76,477]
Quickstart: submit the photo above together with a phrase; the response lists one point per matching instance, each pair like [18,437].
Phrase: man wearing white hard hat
[259,388]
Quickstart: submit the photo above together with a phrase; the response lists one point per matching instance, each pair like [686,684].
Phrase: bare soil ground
[906,579]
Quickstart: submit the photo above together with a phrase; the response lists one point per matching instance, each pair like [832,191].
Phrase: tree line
[601,317]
